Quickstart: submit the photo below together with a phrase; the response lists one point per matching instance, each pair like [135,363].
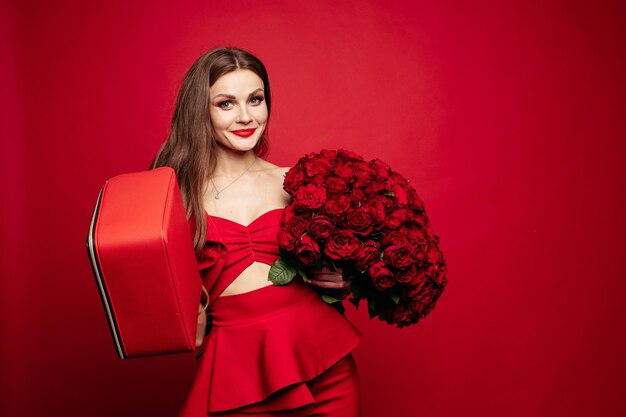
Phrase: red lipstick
[244,133]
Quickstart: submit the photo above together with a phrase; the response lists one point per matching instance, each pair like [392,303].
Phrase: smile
[244,133]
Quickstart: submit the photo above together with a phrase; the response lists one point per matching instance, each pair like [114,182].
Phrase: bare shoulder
[282,171]
[272,177]
[272,170]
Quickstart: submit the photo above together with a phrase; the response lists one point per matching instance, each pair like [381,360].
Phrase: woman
[269,350]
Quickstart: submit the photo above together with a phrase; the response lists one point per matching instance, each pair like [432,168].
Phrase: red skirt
[275,349]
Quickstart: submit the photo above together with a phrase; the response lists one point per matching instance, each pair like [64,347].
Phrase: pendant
[217,196]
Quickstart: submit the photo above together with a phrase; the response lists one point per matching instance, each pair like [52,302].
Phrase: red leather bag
[140,248]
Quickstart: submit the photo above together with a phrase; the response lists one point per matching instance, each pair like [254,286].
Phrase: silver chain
[218,192]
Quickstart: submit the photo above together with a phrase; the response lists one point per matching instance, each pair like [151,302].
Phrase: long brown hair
[190,146]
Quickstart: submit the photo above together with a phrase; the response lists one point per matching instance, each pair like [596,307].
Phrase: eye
[256,100]
[224,104]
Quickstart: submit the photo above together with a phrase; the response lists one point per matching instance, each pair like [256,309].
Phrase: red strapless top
[238,246]
[266,343]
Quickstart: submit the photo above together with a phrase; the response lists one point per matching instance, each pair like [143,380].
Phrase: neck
[232,164]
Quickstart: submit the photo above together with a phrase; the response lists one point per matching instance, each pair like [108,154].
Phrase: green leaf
[303,274]
[329,299]
[281,273]
[395,297]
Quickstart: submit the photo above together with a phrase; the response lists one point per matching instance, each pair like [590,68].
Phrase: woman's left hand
[331,280]
[201,326]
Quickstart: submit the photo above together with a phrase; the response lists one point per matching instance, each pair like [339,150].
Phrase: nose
[244,116]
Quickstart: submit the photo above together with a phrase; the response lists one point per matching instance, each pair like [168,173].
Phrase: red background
[506,116]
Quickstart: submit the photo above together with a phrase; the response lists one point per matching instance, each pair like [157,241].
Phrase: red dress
[274,349]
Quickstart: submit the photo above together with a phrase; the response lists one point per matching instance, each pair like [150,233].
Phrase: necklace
[218,192]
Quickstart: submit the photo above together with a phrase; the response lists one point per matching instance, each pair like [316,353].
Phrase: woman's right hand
[331,282]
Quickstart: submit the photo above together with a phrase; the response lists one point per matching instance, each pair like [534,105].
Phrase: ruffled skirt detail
[263,346]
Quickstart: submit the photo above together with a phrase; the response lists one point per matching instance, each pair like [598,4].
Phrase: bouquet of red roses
[368,220]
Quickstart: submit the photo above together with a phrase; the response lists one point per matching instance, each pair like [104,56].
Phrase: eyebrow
[233,97]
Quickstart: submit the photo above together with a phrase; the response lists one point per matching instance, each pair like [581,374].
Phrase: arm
[202,318]
[201,328]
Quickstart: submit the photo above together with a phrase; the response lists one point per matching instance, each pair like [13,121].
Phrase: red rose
[375,187]
[342,245]
[310,196]
[381,169]
[362,169]
[414,231]
[400,195]
[433,253]
[336,206]
[437,272]
[288,213]
[395,238]
[420,255]
[399,257]
[401,315]
[318,179]
[375,208]
[422,297]
[285,240]
[344,171]
[358,196]
[321,227]
[328,154]
[368,254]
[381,276]
[363,173]
[416,202]
[395,219]
[291,232]
[427,230]
[293,179]
[389,203]
[306,159]
[398,185]
[336,185]
[396,179]
[297,225]
[344,154]
[411,275]
[359,221]
[318,165]
[307,251]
